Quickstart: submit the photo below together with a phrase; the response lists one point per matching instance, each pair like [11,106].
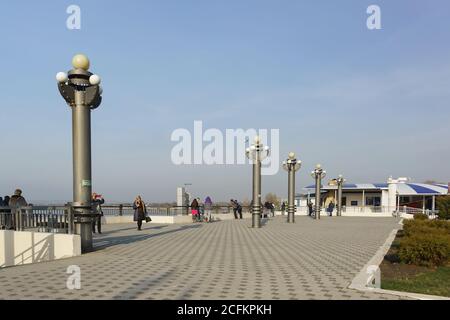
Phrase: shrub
[426,249]
[443,205]
[420,216]
[412,227]
[441,224]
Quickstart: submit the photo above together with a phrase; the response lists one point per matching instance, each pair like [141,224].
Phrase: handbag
[148,219]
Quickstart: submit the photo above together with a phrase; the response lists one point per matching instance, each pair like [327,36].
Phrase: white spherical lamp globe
[291,155]
[95,80]
[62,77]
[80,61]
[318,166]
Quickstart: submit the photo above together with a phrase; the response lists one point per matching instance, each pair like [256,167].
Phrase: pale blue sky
[367,104]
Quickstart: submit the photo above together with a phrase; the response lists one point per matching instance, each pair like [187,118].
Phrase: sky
[367,104]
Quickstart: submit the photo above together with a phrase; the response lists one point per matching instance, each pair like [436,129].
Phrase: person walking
[310,208]
[331,208]
[283,208]
[195,210]
[97,201]
[235,208]
[238,209]
[140,211]
[201,209]
[208,208]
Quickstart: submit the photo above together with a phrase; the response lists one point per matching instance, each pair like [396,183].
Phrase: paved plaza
[221,260]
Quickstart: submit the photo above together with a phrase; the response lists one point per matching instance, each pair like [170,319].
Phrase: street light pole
[318,174]
[340,182]
[82,92]
[291,165]
[257,152]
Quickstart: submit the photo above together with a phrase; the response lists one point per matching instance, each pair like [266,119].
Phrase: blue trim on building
[422,190]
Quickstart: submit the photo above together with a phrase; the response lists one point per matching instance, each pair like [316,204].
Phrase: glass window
[354,203]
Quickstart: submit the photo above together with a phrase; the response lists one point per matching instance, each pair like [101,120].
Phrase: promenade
[221,260]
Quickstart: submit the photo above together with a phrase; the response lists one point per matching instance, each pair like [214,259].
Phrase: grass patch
[433,282]
[418,260]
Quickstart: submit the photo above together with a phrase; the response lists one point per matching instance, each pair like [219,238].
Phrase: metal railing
[127,210]
[53,219]
[60,219]
[432,214]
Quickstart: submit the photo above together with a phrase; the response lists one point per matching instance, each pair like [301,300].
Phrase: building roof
[404,189]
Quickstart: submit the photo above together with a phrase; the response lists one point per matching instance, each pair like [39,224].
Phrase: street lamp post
[340,182]
[318,174]
[82,92]
[257,153]
[291,165]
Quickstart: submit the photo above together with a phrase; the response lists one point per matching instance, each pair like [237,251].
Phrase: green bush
[426,249]
[420,216]
[443,205]
[411,227]
[443,225]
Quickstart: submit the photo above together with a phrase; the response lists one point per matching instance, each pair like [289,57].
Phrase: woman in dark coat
[140,211]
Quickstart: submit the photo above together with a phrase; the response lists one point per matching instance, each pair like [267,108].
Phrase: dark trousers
[235,213]
[240,213]
[139,224]
[97,221]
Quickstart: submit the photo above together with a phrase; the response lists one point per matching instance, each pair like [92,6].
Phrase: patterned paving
[222,260]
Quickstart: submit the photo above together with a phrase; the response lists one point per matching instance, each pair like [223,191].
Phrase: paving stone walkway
[221,260]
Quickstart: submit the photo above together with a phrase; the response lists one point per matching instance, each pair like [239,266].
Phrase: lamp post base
[291,215]
[256,220]
[84,229]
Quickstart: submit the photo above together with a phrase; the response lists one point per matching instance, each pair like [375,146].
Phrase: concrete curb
[362,278]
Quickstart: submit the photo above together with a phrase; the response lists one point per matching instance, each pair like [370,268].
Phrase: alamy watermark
[213,147]
[74,280]
[73,21]
[374,20]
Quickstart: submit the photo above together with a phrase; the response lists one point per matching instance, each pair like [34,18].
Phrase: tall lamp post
[257,153]
[318,174]
[82,92]
[340,182]
[291,165]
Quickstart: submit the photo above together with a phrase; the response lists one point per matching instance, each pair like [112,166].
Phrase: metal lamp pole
[318,174]
[340,182]
[257,153]
[291,165]
[82,92]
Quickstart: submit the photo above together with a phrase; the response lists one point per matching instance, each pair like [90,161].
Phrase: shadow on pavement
[112,241]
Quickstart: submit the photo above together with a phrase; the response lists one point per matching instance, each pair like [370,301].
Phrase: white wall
[24,247]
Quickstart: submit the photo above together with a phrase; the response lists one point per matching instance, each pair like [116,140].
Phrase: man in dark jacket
[235,208]
[310,208]
[97,201]
[331,208]
[238,208]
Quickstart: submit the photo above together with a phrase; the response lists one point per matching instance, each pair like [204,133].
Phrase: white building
[397,195]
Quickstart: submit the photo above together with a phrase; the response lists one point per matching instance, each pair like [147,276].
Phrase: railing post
[120,209]
[18,226]
[69,219]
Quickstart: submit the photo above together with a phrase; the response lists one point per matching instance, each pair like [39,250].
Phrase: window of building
[344,201]
[354,203]
[373,201]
